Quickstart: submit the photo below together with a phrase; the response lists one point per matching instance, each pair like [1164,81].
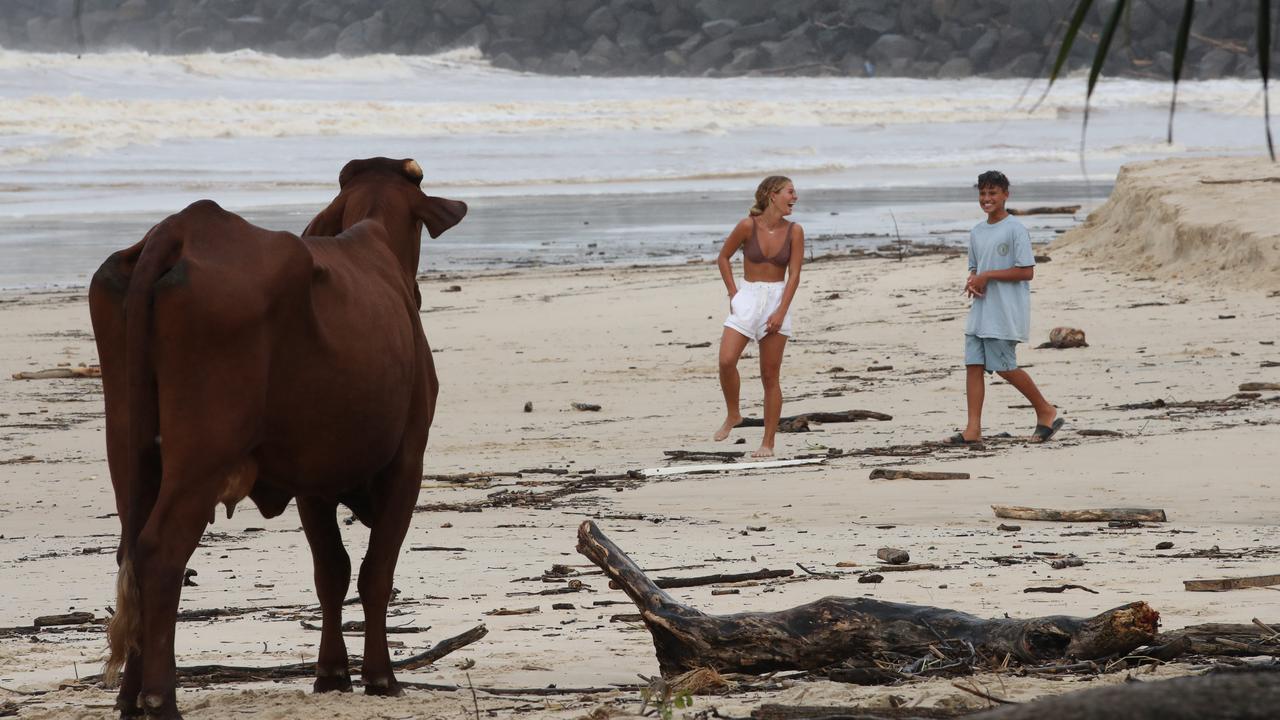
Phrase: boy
[1001,265]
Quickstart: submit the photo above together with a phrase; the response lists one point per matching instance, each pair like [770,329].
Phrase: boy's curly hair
[993,178]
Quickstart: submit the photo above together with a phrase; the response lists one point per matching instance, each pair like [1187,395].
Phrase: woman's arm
[774,322]
[731,244]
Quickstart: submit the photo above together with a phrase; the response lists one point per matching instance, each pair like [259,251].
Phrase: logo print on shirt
[1003,249]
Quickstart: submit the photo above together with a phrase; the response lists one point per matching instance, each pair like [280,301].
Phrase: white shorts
[752,306]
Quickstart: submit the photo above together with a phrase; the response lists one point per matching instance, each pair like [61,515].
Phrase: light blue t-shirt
[1005,310]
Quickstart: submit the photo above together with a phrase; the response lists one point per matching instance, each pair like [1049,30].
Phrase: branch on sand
[203,674]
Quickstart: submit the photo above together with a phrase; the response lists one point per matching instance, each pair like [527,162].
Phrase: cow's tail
[161,251]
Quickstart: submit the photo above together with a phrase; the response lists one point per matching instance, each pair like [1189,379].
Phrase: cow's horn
[413,169]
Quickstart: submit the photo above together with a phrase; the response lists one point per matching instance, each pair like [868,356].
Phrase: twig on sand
[1058,589]
[982,694]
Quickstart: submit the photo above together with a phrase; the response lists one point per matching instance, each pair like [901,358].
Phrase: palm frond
[1044,63]
[1264,67]
[1180,57]
[1068,39]
[1100,57]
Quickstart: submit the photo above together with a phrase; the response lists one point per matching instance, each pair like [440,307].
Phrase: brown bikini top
[751,250]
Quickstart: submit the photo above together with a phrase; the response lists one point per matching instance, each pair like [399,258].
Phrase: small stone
[870,578]
[528,406]
[893,556]
[1166,545]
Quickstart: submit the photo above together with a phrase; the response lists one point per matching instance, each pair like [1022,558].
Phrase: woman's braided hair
[768,187]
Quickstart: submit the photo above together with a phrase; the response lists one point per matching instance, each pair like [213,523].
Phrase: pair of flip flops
[1042,433]
[959,439]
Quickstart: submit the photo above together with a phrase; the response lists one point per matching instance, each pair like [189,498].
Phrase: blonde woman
[772,250]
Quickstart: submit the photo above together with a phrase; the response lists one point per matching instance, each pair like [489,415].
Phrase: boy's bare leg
[975,392]
[732,343]
[771,347]
[1045,412]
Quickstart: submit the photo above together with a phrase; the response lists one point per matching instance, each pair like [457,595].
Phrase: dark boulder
[362,37]
[744,60]
[601,23]
[634,30]
[459,13]
[719,28]
[982,50]
[711,55]
[956,67]
[319,40]
[892,47]
[769,29]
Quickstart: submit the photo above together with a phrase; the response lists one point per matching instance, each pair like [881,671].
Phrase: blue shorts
[993,354]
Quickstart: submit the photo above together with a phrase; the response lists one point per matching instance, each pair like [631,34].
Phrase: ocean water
[95,150]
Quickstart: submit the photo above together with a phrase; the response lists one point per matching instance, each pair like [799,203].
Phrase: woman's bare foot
[764,452]
[729,424]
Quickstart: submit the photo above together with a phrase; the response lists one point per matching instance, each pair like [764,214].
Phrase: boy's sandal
[1042,433]
[959,439]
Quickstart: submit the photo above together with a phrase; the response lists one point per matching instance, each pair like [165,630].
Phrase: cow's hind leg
[394,500]
[333,577]
[163,549]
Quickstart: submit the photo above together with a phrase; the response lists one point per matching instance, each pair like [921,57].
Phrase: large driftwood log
[835,630]
[1100,515]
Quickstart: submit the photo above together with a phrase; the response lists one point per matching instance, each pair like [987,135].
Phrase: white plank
[760,465]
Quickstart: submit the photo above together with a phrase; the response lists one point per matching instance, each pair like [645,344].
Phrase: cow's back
[263,344]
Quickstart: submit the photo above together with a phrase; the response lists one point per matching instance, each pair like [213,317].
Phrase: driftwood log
[1043,210]
[1101,515]
[1224,640]
[850,630]
[92,371]
[894,474]
[1224,584]
[800,423]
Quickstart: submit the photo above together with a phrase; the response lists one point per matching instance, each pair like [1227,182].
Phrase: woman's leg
[732,343]
[771,347]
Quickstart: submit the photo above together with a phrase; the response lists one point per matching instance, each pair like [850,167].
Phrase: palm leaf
[1180,57]
[1264,66]
[1104,44]
[1068,38]
[1044,63]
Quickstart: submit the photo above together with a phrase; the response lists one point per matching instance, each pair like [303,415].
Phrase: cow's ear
[439,214]
[328,222]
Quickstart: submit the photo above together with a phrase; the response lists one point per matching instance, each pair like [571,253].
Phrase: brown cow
[240,362]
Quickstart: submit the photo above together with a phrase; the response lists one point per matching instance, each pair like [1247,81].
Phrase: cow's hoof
[383,688]
[332,683]
[159,707]
[128,710]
